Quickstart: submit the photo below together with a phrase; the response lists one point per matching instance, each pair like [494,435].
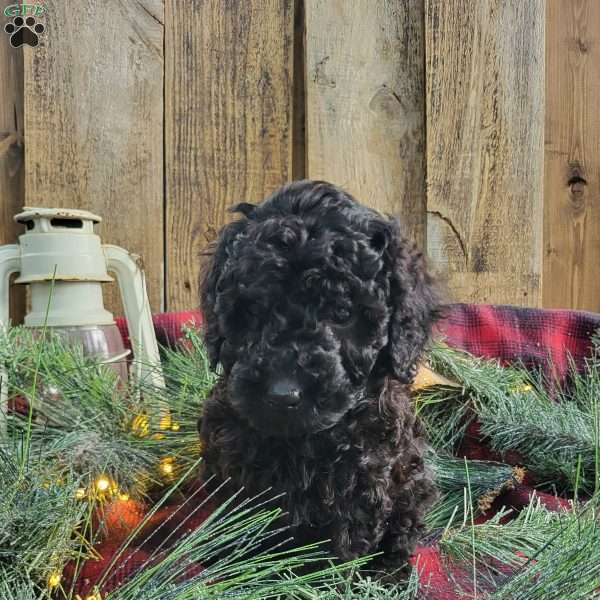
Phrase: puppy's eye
[310,279]
[253,309]
[341,315]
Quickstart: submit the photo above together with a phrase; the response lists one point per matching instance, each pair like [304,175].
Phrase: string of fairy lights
[104,489]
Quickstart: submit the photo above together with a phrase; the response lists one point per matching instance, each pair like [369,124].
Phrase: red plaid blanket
[534,337]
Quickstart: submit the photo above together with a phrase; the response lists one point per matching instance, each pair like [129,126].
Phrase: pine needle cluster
[553,425]
[40,518]
[74,425]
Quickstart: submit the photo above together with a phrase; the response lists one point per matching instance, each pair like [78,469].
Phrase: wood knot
[387,103]
[320,76]
[577,185]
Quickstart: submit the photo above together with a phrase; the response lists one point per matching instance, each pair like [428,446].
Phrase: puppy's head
[308,300]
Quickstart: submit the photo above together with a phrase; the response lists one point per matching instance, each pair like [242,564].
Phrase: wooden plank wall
[485,126]
[365,103]
[229,89]
[11,154]
[572,157]
[474,121]
[94,123]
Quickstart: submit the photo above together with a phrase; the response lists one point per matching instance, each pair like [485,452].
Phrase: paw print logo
[24,31]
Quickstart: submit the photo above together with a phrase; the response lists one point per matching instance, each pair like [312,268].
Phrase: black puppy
[318,309]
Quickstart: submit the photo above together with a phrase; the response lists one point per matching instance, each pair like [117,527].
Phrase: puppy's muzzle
[284,394]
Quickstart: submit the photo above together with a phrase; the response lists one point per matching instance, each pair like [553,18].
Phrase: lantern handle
[132,284]
[10,262]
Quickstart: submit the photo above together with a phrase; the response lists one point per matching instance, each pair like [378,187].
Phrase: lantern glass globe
[101,342]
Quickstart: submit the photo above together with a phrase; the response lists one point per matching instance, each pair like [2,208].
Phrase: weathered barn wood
[485,99]
[160,114]
[229,88]
[572,156]
[11,154]
[94,123]
[365,102]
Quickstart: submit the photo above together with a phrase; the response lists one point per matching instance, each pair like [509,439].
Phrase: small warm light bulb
[80,493]
[167,468]
[524,387]
[166,465]
[124,497]
[54,579]
[175,426]
[140,425]
[165,422]
[102,483]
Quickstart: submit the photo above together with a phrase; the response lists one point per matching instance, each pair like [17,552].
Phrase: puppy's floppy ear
[245,208]
[217,255]
[414,302]
[213,338]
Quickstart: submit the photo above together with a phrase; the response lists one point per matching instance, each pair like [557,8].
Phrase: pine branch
[362,588]
[486,479]
[479,377]
[446,412]
[16,586]
[558,436]
[498,544]
[85,419]
[552,437]
[39,514]
[86,424]
[566,566]
[239,550]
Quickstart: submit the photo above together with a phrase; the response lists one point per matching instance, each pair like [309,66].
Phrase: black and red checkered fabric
[533,337]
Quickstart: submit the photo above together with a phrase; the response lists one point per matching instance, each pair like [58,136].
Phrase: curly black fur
[317,291]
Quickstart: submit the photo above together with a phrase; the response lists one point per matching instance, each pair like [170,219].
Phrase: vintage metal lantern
[63,261]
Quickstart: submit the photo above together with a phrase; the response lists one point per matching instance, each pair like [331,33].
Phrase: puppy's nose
[284,393]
